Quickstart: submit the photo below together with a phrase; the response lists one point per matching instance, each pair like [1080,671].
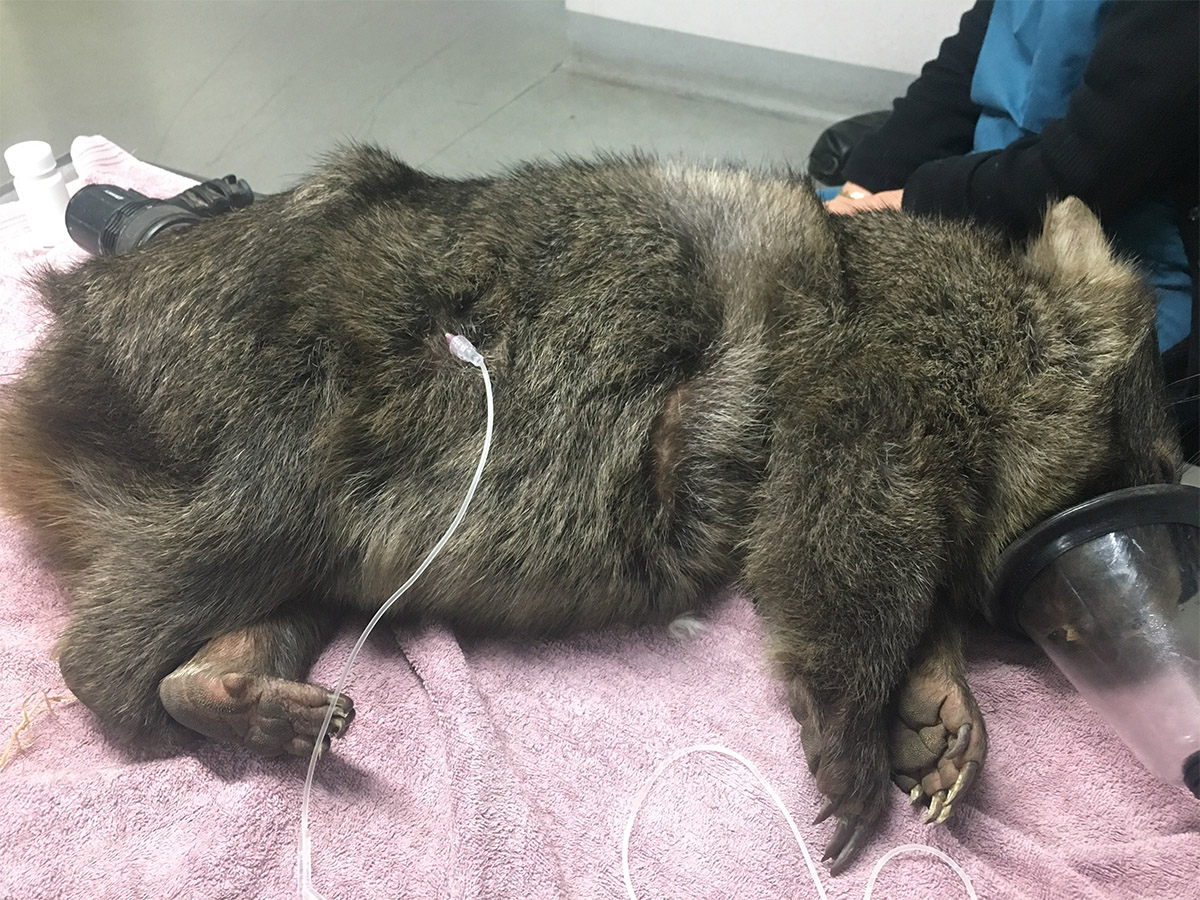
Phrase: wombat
[229,438]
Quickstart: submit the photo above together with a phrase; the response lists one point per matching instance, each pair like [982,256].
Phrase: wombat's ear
[1072,247]
[1093,291]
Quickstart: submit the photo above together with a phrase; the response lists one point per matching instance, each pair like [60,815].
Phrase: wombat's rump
[229,437]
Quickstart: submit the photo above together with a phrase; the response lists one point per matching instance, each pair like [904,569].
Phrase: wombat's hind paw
[270,716]
[853,784]
[938,742]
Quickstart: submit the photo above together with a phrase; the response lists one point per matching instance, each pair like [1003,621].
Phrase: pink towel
[505,770]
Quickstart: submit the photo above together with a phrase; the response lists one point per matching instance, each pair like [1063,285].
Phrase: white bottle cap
[29,159]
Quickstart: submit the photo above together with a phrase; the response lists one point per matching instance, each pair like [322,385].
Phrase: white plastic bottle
[41,190]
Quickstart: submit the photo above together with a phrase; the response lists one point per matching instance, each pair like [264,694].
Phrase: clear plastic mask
[1108,589]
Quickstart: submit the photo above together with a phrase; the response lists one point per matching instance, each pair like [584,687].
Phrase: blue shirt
[1033,58]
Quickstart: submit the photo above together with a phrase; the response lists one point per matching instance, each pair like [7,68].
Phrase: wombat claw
[965,778]
[936,802]
[849,836]
[826,811]
[342,717]
[962,740]
[941,803]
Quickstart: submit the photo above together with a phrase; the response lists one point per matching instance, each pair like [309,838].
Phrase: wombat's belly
[614,503]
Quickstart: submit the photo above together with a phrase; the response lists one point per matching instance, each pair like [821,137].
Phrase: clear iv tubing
[774,794]
[464,350]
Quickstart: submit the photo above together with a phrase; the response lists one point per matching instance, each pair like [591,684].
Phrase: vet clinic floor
[261,89]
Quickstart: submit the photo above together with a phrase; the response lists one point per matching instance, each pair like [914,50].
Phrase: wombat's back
[274,386]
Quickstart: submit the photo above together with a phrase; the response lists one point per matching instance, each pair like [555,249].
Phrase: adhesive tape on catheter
[812,868]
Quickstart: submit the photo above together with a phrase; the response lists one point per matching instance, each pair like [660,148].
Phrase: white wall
[898,35]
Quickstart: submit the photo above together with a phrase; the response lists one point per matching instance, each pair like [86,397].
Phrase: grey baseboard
[785,83]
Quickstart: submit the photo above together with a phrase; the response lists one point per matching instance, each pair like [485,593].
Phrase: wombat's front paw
[268,715]
[938,742]
[852,774]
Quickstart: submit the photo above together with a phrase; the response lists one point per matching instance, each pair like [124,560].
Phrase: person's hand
[854,198]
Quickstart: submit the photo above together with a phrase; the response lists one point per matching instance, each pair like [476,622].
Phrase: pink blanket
[498,770]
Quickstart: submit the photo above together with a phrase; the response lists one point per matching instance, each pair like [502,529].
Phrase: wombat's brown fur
[701,379]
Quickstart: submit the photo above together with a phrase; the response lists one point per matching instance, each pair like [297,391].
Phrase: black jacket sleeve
[1131,131]
[935,119]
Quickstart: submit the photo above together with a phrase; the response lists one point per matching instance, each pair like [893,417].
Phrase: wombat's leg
[938,742]
[843,565]
[153,595]
[840,678]
[244,687]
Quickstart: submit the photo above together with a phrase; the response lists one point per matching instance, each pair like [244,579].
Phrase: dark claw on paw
[961,741]
[826,811]
[847,840]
